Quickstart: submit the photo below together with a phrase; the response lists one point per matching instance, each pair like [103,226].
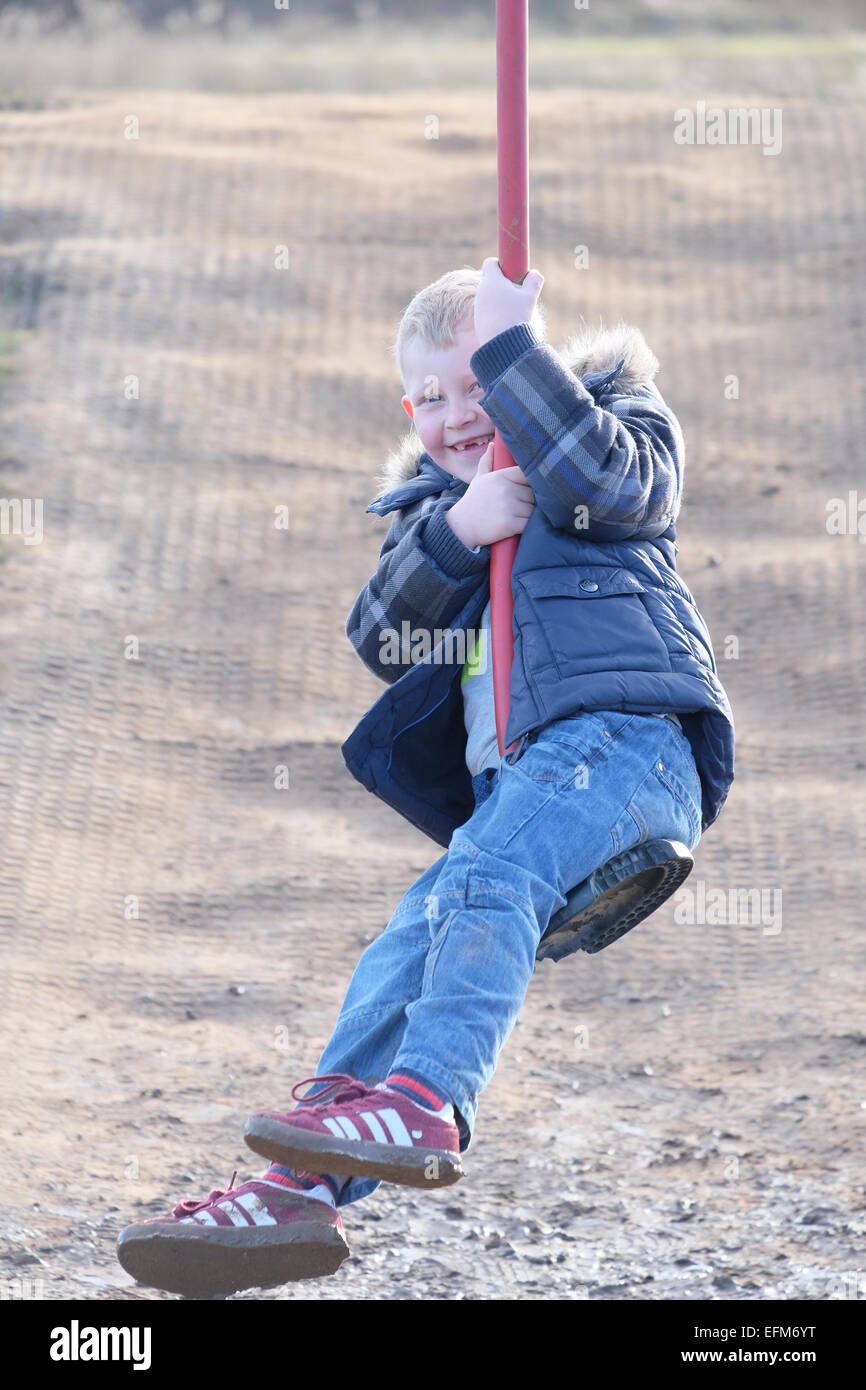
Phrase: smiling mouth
[466,445]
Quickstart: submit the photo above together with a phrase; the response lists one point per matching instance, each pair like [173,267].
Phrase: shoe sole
[324,1153]
[215,1261]
[618,896]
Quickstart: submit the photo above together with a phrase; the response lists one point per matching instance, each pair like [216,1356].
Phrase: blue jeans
[438,992]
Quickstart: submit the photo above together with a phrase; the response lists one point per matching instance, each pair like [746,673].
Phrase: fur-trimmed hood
[590,350]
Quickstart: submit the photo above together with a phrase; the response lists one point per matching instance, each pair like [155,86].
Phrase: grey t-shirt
[479,715]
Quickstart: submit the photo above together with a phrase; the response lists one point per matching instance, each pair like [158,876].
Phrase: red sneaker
[361,1131]
[253,1236]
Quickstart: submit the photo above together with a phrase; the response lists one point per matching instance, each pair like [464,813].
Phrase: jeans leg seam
[674,787]
[637,821]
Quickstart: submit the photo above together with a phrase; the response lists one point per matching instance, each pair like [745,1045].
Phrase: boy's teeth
[471,444]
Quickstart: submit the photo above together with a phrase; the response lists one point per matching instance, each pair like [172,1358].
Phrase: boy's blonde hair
[437,312]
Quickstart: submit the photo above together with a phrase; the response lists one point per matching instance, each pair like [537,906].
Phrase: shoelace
[189,1205]
[341,1086]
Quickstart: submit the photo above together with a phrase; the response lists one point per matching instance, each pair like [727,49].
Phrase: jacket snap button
[589,585]
[661,769]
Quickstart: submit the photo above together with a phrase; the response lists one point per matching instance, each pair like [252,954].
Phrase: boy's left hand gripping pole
[512,146]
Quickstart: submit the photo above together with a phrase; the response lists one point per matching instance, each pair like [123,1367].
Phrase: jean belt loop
[511,758]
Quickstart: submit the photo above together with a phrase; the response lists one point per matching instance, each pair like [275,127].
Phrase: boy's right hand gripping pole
[512,87]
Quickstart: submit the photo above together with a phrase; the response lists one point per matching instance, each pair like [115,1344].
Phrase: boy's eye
[432,397]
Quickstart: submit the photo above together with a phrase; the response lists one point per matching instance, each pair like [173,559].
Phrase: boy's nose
[460,415]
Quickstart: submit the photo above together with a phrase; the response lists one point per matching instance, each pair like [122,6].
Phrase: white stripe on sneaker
[344,1128]
[202,1218]
[237,1218]
[374,1127]
[253,1204]
[399,1132]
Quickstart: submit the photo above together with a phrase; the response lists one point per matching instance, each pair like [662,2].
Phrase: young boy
[623,734]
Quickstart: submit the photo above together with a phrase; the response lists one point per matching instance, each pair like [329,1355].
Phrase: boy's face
[442,398]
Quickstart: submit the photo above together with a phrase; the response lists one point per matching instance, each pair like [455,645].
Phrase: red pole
[512,123]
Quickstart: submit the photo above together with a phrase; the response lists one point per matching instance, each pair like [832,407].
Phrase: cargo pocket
[589,618]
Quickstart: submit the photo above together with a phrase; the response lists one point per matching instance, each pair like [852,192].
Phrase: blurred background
[784,46]
[211,219]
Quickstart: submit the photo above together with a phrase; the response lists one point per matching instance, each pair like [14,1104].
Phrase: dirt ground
[679,1117]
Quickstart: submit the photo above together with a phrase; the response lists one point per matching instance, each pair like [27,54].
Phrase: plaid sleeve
[424,578]
[609,474]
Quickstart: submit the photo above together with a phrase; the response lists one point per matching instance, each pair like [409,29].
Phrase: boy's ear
[407,406]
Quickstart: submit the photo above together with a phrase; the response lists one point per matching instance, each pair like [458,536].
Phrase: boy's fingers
[516,472]
[524,491]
